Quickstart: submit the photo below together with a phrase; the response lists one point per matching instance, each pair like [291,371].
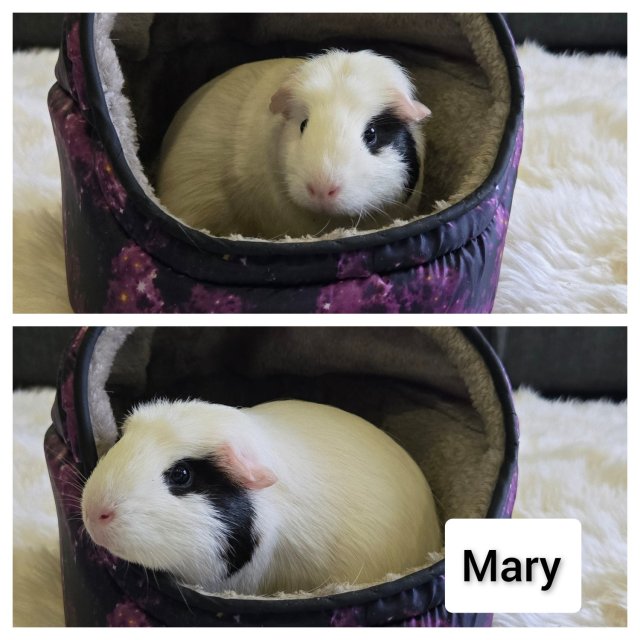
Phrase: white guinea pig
[294,147]
[284,496]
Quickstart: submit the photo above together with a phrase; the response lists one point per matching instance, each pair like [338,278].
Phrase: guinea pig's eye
[303,125]
[180,475]
[370,136]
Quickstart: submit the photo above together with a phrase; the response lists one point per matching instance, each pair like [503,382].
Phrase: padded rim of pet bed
[129,576]
[315,268]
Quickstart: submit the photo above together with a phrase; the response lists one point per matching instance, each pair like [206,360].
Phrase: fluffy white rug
[566,248]
[36,557]
[39,280]
[572,464]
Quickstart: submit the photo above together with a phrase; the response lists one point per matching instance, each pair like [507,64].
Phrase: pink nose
[98,523]
[322,191]
[100,516]
[106,516]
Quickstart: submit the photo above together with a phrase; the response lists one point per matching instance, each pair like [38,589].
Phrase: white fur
[231,165]
[348,503]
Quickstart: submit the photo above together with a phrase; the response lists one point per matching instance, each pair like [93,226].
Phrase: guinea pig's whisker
[184,599]
[438,501]
[71,498]
[89,540]
[78,479]
[400,204]
[75,485]
[315,235]
[76,518]
[379,210]
[155,579]
[321,586]
[75,470]
[189,237]
[126,567]
[355,580]
[146,577]
[76,512]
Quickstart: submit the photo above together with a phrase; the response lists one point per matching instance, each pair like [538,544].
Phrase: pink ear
[281,101]
[409,110]
[244,469]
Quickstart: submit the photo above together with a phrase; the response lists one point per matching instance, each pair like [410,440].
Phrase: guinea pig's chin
[111,541]
[103,538]
[127,554]
[333,210]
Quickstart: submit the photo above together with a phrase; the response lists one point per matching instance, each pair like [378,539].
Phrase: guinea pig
[284,496]
[291,147]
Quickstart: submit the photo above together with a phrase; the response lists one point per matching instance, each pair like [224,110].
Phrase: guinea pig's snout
[97,519]
[322,192]
[106,515]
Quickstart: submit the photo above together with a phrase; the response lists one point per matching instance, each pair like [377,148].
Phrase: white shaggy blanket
[566,247]
[573,460]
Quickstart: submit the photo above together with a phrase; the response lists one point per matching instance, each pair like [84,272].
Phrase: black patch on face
[232,502]
[385,130]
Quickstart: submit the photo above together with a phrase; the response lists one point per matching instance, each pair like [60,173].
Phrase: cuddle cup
[121,79]
[441,393]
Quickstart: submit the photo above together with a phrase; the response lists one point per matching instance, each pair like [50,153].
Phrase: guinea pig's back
[347,485]
[213,145]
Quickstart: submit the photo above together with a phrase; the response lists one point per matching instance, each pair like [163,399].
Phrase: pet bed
[440,392]
[121,78]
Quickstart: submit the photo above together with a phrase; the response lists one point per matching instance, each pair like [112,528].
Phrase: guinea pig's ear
[407,109]
[244,468]
[281,101]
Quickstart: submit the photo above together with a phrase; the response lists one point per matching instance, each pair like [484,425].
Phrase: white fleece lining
[105,431]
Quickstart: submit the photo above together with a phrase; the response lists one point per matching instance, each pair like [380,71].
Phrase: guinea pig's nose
[106,515]
[323,191]
[101,515]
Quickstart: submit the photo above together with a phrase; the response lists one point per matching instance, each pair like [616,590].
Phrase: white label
[513,566]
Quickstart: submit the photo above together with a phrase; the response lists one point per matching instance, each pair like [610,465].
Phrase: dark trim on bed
[503,389]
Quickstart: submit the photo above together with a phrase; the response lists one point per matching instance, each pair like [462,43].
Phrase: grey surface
[584,31]
[573,361]
[37,30]
[582,361]
[37,352]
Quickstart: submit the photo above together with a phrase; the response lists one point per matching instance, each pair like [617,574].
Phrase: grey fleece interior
[150,63]
[427,387]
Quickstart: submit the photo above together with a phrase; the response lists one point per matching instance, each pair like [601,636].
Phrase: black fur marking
[392,131]
[230,500]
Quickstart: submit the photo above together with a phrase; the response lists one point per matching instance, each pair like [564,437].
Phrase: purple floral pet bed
[120,80]
[440,392]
